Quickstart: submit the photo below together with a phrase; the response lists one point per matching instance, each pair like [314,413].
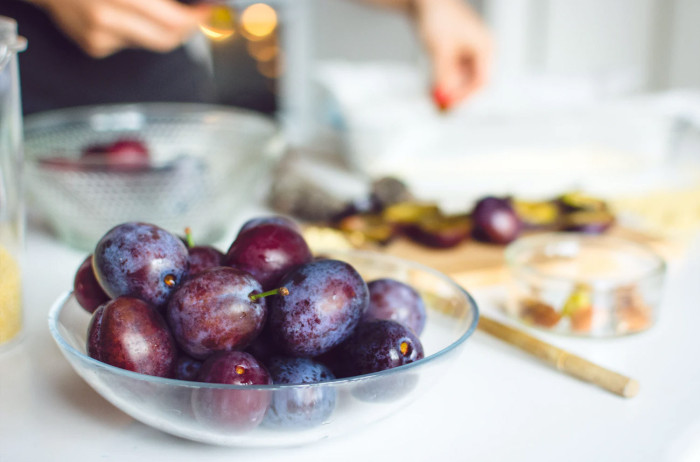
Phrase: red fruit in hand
[442,100]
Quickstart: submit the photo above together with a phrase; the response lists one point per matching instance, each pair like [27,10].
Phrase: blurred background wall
[621,46]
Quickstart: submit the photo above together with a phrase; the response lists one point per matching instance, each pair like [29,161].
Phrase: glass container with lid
[11,185]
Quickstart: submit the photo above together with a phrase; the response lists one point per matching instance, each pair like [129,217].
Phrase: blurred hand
[460,47]
[103,27]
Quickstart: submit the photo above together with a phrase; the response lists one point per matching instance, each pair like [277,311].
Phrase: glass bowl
[175,406]
[204,161]
[586,285]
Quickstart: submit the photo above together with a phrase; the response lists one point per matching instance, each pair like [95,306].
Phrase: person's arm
[457,41]
[103,27]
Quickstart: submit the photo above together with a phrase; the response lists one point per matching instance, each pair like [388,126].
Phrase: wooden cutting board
[476,264]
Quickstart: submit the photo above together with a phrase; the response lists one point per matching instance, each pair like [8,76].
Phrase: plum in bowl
[249,415]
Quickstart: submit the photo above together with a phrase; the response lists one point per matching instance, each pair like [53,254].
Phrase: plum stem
[188,237]
[283,291]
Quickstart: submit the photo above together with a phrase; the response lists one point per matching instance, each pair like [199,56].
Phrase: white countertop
[496,403]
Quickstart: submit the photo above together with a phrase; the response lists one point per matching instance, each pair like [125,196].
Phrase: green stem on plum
[283,291]
[188,237]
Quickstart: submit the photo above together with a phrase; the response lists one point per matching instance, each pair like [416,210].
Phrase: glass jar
[11,186]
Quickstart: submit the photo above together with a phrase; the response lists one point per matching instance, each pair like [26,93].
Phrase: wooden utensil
[561,359]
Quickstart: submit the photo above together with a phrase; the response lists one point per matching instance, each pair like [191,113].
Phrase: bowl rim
[60,303]
[41,120]
[659,264]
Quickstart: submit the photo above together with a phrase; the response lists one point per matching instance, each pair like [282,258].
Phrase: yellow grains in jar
[10,297]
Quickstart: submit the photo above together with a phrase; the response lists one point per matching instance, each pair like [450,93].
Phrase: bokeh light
[221,24]
[272,69]
[263,50]
[258,21]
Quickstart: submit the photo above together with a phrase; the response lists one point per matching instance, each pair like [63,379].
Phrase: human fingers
[474,67]
[130,25]
[446,78]
[169,14]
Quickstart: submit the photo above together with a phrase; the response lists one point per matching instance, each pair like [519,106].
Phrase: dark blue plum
[270,220]
[187,368]
[140,260]
[326,300]
[376,346]
[395,301]
[495,221]
[263,347]
[268,252]
[212,311]
[232,409]
[300,407]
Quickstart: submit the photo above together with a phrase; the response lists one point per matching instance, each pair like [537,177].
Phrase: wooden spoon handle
[561,359]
